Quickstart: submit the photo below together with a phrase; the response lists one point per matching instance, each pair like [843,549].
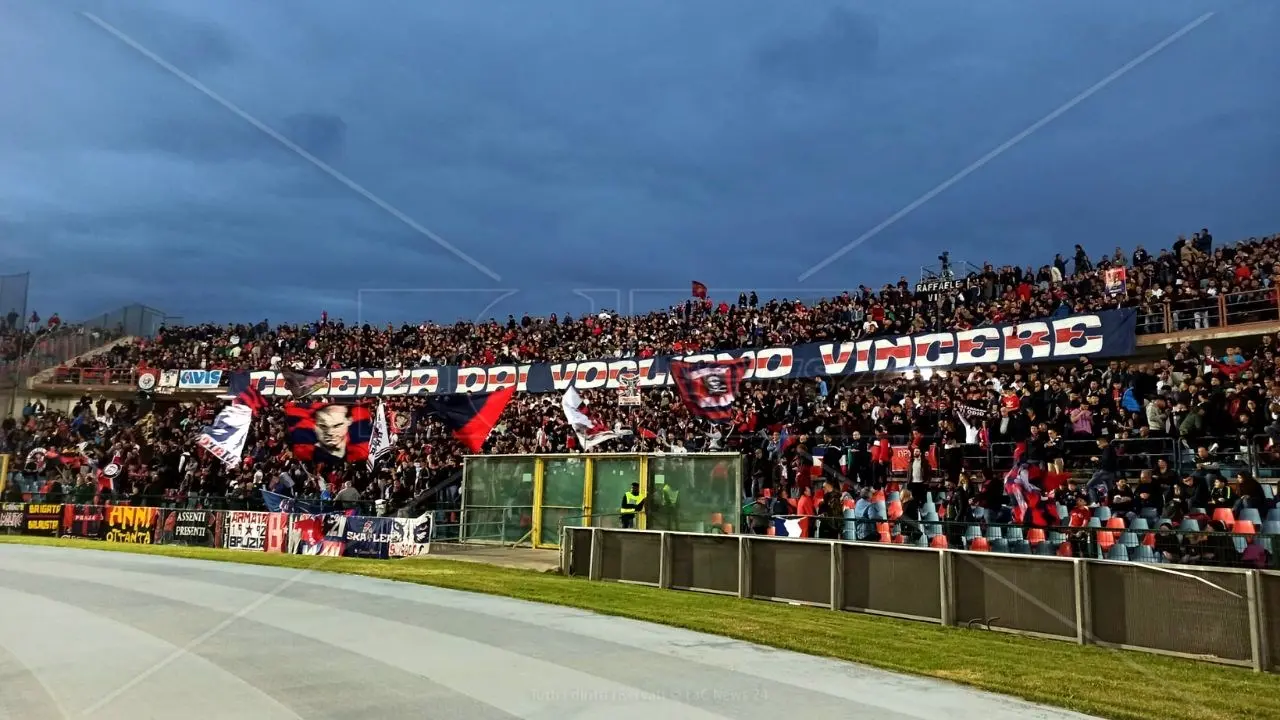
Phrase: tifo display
[332,534]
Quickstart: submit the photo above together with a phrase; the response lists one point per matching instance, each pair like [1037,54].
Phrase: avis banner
[1105,334]
[11,517]
[368,537]
[84,521]
[410,536]
[247,530]
[134,525]
[42,519]
[199,379]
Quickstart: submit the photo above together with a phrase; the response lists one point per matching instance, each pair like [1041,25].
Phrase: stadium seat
[928,507]
[1064,550]
[972,531]
[979,544]
[1035,536]
[999,545]
[847,532]
[1013,533]
[1224,516]
[939,541]
[1273,515]
[1139,523]
[920,541]
[1044,548]
[1056,537]
[1243,533]
[1102,512]
[1189,525]
[1019,547]
[894,510]
[1118,552]
[1151,515]
[1094,522]
[1143,553]
[1251,515]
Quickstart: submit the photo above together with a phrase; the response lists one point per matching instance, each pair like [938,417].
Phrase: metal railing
[1184,541]
[1237,308]
[95,376]
[1229,616]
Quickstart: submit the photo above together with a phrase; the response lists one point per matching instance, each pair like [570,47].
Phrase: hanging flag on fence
[471,416]
[709,389]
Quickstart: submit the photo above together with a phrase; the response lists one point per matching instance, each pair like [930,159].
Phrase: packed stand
[1190,277]
[1093,446]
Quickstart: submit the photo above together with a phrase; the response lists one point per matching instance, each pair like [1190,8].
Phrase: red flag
[698,290]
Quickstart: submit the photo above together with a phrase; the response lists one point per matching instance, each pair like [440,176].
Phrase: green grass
[1108,683]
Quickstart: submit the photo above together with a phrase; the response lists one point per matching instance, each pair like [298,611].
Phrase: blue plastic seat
[847,532]
[1139,523]
[1118,552]
[1020,547]
[1273,515]
[1094,522]
[1189,525]
[999,545]
[972,531]
[1014,532]
[1142,553]
[994,532]
[1128,538]
[1102,512]
[1250,514]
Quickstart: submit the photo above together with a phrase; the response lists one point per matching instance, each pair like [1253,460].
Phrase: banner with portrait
[410,536]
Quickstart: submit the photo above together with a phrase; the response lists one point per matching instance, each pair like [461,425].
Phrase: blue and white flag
[225,439]
[381,442]
[276,502]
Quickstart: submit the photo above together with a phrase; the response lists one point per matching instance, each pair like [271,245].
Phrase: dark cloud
[616,145]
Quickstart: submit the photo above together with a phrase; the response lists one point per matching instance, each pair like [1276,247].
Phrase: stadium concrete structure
[124,636]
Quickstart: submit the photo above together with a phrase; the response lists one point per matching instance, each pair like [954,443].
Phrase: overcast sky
[602,153]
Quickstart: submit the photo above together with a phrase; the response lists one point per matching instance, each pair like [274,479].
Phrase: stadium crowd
[1168,443]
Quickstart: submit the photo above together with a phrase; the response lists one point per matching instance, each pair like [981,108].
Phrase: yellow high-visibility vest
[630,502]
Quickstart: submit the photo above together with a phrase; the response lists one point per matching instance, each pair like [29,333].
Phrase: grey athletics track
[87,633]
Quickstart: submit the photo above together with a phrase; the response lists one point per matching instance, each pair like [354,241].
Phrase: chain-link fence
[136,320]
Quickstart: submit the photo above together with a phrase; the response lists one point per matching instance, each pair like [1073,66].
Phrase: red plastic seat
[979,544]
[1224,516]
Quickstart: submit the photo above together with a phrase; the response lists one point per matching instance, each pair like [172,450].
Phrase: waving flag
[276,502]
[304,384]
[590,432]
[471,416]
[709,389]
[226,438]
[382,440]
[329,433]
[108,473]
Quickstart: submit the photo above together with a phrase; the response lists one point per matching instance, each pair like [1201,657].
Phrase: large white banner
[247,530]
[410,536]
